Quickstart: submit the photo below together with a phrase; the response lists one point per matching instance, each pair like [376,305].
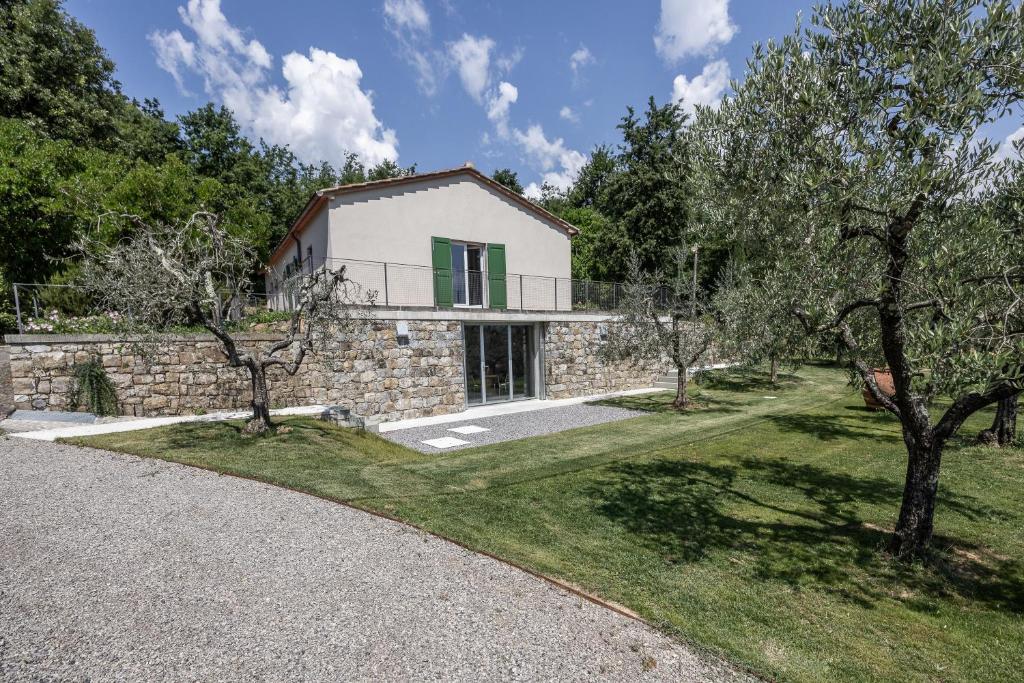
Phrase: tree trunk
[1004,427]
[917,512]
[682,398]
[260,422]
[774,371]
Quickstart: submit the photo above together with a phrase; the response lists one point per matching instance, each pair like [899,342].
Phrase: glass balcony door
[467,274]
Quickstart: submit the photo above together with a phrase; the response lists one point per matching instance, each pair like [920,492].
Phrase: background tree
[591,184]
[756,323]
[38,221]
[55,75]
[855,144]
[194,273]
[646,197]
[388,169]
[662,319]
[508,178]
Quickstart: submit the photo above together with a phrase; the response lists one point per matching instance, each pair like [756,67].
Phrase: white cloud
[580,58]
[692,27]
[1007,150]
[498,104]
[472,57]
[409,22]
[559,164]
[706,88]
[322,113]
[173,50]
[568,114]
[508,62]
[407,14]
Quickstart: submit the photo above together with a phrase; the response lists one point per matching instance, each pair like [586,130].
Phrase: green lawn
[752,527]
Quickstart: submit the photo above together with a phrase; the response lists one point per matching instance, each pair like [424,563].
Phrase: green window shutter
[496,276]
[442,261]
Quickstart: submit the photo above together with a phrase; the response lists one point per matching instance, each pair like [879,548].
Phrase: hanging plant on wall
[92,389]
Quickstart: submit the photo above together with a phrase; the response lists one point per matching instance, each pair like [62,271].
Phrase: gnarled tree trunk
[682,381]
[1004,426]
[774,369]
[260,422]
[917,511]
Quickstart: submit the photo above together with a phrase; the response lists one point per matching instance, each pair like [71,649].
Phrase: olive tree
[194,273]
[848,153]
[756,326]
[662,321]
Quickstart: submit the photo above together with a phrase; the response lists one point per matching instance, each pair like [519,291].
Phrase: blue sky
[531,85]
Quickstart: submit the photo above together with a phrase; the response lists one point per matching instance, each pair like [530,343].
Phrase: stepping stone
[769,397]
[469,429]
[445,442]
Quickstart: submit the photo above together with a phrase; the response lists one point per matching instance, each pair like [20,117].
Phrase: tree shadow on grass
[746,380]
[797,524]
[832,426]
[661,402]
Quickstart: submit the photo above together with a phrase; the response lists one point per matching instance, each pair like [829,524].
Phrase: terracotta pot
[883,378]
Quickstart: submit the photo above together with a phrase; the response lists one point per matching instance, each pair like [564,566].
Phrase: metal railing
[48,307]
[53,308]
[407,285]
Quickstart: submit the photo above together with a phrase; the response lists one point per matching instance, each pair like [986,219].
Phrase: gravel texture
[512,426]
[119,568]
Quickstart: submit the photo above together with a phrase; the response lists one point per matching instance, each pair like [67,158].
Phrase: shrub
[92,389]
[8,323]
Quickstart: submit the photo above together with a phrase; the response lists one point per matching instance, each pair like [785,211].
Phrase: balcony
[398,285]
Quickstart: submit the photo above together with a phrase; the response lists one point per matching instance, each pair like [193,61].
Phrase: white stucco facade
[369,226]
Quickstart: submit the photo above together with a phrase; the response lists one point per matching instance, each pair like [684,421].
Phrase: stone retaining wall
[373,375]
[574,367]
[6,390]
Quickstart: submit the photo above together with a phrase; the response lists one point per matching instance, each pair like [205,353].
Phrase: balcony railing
[409,286]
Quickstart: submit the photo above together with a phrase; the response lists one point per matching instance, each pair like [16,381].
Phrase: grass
[753,527]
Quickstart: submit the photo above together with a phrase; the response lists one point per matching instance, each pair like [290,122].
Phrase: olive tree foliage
[162,276]
[847,156]
[756,325]
[662,321]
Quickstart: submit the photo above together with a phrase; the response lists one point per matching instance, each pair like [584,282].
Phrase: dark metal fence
[45,307]
[407,285]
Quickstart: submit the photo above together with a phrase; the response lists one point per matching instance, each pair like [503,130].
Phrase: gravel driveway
[119,568]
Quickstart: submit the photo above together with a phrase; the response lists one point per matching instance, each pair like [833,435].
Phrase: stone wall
[6,390]
[373,375]
[574,366]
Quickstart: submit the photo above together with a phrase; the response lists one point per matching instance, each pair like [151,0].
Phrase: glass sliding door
[474,365]
[521,348]
[496,366]
[500,363]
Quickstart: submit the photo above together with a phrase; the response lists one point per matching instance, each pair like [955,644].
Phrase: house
[469,277]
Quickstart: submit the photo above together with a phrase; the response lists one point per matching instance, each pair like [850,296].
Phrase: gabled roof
[321,197]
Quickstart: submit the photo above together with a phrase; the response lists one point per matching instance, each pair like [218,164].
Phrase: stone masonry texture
[371,374]
[6,389]
[573,365]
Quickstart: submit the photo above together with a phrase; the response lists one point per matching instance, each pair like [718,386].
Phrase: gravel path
[513,426]
[119,568]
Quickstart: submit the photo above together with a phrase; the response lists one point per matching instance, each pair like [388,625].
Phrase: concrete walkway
[45,431]
[119,568]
